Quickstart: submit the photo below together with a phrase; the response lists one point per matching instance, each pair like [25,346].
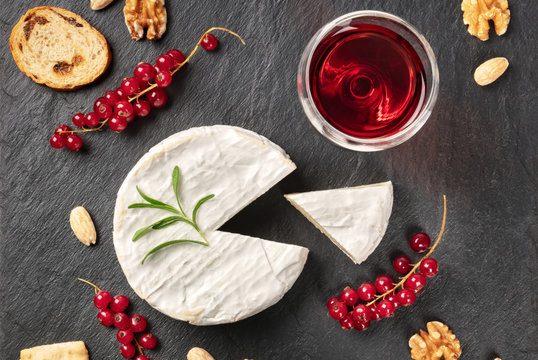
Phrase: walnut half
[477,13]
[439,342]
[141,14]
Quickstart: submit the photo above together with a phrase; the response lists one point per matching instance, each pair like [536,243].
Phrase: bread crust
[54,85]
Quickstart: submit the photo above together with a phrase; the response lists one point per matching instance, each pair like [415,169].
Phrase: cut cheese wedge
[355,219]
[236,276]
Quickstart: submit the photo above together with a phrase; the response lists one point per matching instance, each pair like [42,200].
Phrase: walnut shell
[477,13]
[439,342]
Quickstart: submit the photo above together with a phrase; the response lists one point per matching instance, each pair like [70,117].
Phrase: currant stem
[138,346]
[415,267]
[85,130]
[95,287]
[154,85]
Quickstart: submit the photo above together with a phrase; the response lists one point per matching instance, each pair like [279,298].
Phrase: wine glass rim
[366,144]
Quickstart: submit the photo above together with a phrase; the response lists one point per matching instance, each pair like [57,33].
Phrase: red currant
[429,267]
[338,310]
[112,97]
[394,300]
[61,130]
[401,264]
[163,79]
[148,341]
[138,323]
[362,325]
[367,291]
[128,351]
[331,301]
[420,242]
[347,322]
[117,123]
[143,86]
[142,357]
[130,85]
[57,141]
[406,297]
[101,108]
[385,308]
[73,142]
[78,119]
[164,62]
[102,299]
[119,303]
[130,119]
[361,312]
[142,108]
[157,97]
[121,321]
[91,120]
[374,314]
[105,317]
[415,283]
[144,72]
[177,56]
[125,336]
[349,296]
[383,283]
[123,108]
[209,42]
[122,95]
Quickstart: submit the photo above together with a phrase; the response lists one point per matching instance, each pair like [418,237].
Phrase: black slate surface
[479,148]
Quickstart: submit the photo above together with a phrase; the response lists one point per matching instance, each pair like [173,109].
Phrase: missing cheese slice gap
[355,219]
[236,276]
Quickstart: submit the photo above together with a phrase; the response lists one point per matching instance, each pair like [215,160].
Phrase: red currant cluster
[136,96]
[381,299]
[112,312]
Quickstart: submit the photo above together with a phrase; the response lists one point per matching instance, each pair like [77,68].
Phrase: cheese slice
[73,350]
[355,218]
[236,276]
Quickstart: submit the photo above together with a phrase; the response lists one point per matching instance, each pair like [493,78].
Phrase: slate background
[479,148]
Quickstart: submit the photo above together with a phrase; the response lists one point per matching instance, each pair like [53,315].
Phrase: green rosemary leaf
[140,232]
[161,224]
[150,200]
[154,206]
[168,243]
[175,185]
[169,221]
[200,202]
[175,181]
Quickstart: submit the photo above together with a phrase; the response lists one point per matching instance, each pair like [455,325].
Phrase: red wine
[367,81]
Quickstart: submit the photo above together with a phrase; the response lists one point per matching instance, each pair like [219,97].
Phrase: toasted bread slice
[74,350]
[58,48]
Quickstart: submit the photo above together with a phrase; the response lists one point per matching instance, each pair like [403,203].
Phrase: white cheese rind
[237,276]
[355,219]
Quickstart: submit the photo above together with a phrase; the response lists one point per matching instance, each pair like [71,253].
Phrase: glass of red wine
[368,80]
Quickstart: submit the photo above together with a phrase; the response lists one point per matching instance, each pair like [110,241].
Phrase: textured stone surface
[479,148]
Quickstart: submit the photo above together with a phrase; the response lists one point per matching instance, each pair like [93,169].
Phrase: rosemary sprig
[180,216]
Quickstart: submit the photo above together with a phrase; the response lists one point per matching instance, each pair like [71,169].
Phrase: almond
[99,4]
[197,353]
[82,225]
[490,71]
